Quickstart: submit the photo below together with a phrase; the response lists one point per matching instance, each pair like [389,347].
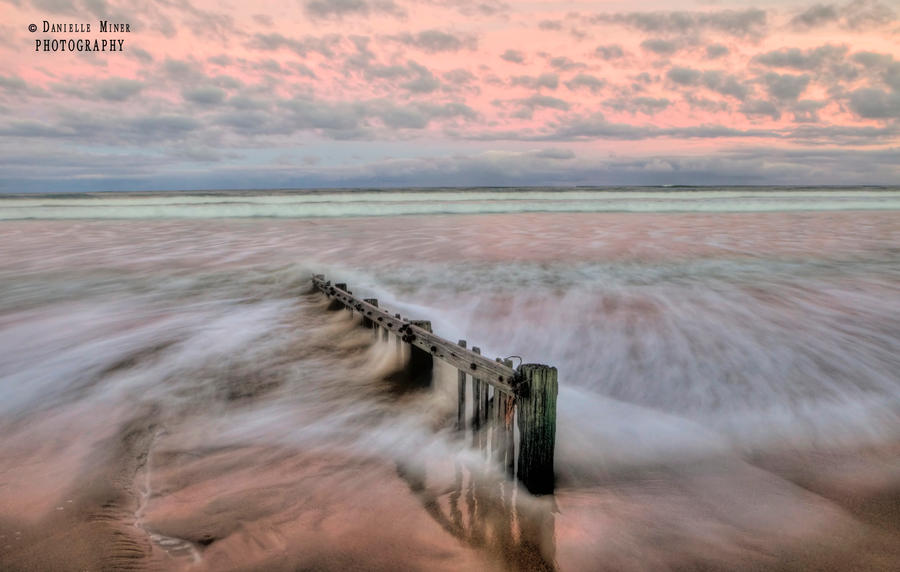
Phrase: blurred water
[322,203]
[682,339]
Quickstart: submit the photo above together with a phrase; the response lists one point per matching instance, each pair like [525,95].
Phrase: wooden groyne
[504,405]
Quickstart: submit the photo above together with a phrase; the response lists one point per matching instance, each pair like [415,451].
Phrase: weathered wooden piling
[482,395]
[509,433]
[537,426]
[478,412]
[461,391]
[420,361]
[501,396]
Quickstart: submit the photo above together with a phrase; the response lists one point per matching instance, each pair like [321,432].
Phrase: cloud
[855,15]
[715,51]
[324,45]
[537,100]
[204,95]
[661,47]
[140,54]
[220,60]
[609,52]
[181,70]
[563,63]
[264,20]
[646,105]
[216,25]
[804,60]
[410,76]
[873,59]
[495,167]
[435,41]
[555,154]
[423,82]
[883,66]
[345,120]
[12,83]
[807,111]
[118,89]
[416,115]
[459,76]
[585,81]
[473,8]
[871,103]
[593,126]
[785,87]
[341,8]
[815,16]
[514,56]
[56,6]
[843,135]
[548,80]
[760,108]
[596,126]
[715,80]
[550,25]
[866,14]
[684,76]
[706,104]
[743,24]
[161,127]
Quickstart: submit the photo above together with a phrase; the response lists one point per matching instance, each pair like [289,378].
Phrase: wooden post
[479,390]
[509,434]
[485,392]
[367,322]
[421,362]
[537,426]
[476,408]
[461,394]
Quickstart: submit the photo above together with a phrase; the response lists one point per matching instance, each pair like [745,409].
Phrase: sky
[397,93]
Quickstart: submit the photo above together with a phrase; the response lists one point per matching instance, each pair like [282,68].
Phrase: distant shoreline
[463,189]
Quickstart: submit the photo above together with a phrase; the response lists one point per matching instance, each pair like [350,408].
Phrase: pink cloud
[259,78]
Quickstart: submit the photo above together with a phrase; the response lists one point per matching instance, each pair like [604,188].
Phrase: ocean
[173,394]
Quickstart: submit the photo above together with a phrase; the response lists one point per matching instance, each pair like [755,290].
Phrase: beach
[174,396]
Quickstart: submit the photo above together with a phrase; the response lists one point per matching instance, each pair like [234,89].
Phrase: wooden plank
[498,375]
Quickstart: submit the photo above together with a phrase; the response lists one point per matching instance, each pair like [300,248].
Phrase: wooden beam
[497,374]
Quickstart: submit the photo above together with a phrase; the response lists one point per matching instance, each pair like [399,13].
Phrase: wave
[322,204]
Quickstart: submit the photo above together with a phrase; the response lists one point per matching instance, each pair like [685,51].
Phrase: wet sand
[173,398]
[146,494]
[275,509]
